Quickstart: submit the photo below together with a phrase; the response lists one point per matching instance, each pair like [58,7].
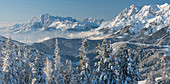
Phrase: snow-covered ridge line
[166,46]
[46,22]
[152,17]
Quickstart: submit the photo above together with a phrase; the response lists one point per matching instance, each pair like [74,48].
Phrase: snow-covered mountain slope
[152,17]
[47,22]
[160,37]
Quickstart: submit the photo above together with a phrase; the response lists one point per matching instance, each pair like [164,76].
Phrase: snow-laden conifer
[26,67]
[105,70]
[20,66]
[58,72]
[68,73]
[164,63]
[126,69]
[150,78]
[9,68]
[84,68]
[1,73]
[49,71]
[39,77]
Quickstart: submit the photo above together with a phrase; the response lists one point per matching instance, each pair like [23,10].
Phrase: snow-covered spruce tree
[39,77]
[150,78]
[123,66]
[118,70]
[95,75]
[49,72]
[104,69]
[1,50]
[9,67]
[84,75]
[165,78]
[19,65]
[132,70]
[58,67]
[68,73]
[26,67]
[136,75]
[1,73]
[111,74]
[1,76]
[126,69]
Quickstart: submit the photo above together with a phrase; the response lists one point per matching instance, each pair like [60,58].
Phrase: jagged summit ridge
[47,22]
[153,17]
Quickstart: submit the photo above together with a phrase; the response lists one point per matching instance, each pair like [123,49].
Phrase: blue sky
[14,11]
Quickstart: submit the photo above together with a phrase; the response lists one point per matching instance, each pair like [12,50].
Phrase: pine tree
[58,74]
[118,70]
[136,75]
[127,68]
[95,76]
[19,64]
[39,77]
[165,78]
[111,73]
[49,72]
[1,76]
[26,67]
[9,68]
[104,73]
[1,73]
[1,51]
[133,74]
[84,67]
[68,73]
[124,66]
[150,78]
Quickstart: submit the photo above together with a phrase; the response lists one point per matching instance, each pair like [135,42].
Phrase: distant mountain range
[134,21]
[46,22]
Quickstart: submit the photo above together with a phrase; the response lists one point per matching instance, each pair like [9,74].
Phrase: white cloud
[41,40]
[6,24]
